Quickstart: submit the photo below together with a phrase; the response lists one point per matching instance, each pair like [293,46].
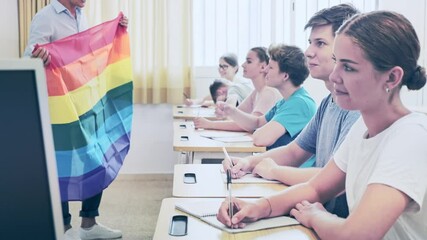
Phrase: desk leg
[186,158]
[183,158]
[191,160]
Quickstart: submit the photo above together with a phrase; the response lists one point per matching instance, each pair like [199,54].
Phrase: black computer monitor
[30,206]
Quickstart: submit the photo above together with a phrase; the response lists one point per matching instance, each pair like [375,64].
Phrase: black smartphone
[178,225]
[190,178]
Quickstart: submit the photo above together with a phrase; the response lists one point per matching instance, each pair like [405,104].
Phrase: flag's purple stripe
[79,161]
[93,182]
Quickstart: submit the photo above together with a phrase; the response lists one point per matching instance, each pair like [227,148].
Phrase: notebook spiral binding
[208,215]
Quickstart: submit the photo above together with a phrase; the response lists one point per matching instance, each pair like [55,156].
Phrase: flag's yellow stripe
[68,108]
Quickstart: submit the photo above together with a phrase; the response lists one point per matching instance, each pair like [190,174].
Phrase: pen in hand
[230,202]
[185,95]
[227,156]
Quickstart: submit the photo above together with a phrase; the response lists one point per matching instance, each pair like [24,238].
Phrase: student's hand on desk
[264,168]
[207,103]
[223,109]
[222,98]
[240,168]
[188,102]
[244,212]
[43,54]
[201,123]
[305,212]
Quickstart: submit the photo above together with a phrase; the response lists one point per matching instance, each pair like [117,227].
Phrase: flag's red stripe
[74,75]
[70,49]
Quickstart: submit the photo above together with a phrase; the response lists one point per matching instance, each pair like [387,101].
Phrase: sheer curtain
[160,35]
[26,10]
[221,26]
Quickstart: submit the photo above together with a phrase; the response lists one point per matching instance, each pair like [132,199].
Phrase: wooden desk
[197,229]
[189,113]
[209,183]
[187,139]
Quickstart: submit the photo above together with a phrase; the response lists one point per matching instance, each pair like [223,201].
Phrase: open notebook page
[207,210]
[220,134]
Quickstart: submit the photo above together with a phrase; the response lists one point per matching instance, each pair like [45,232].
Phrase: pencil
[227,156]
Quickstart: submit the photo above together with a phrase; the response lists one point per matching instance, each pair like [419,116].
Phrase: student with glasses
[238,88]
[259,102]
[286,71]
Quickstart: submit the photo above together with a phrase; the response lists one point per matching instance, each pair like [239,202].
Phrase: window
[221,26]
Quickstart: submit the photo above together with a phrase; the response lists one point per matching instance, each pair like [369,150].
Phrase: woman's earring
[387,89]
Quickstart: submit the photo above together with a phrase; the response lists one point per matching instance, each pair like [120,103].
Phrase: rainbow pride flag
[90,100]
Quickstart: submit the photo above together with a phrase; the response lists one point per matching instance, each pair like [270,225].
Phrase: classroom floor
[131,203]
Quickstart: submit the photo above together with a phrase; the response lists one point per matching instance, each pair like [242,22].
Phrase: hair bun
[417,79]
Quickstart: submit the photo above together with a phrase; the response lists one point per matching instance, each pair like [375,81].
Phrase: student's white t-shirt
[396,157]
[261,101]
[238,90]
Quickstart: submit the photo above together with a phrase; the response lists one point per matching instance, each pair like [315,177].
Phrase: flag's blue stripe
[85,159]
[93,182]
[79,134]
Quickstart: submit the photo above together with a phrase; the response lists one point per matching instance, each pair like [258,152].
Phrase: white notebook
[207,210]
[221,134]
[245,138]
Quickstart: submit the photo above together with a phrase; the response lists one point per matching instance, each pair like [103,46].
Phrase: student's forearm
[254,160]
[232,100]
[291,175]
[224,125]
[291,155]
[283,202]
[246,121]
[329,226]
[281,155]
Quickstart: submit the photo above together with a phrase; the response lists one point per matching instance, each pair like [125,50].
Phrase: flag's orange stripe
[62,80]
[72,48]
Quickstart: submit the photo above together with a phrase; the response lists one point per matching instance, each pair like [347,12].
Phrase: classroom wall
[151,148]
[9,39]
[416,12]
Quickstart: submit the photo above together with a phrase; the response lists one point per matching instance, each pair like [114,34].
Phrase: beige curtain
[26,10]
[160,35]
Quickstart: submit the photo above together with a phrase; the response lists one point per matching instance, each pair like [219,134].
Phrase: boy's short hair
[291,60]
[335,16]
[213,88]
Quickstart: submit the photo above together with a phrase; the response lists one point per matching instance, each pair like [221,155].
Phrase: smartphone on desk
[178,225]
[190,178]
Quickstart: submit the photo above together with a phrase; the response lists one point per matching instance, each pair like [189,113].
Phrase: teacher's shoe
[70,234]
[99,231]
